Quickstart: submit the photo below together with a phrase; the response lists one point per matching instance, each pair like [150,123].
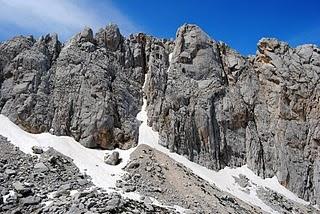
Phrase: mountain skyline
[240,24]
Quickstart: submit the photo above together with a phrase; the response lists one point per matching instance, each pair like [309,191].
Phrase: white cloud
[65,17]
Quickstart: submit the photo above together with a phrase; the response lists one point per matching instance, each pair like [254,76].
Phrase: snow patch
[170,57]
[89,161]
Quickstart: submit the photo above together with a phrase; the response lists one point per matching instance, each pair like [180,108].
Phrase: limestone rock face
[25,85]
[221,109]
[82,89]
[207,102]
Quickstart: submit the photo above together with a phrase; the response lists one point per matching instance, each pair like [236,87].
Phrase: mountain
[202,101]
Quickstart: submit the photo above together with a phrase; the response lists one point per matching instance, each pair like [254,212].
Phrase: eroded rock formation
[207,101]
[220,109]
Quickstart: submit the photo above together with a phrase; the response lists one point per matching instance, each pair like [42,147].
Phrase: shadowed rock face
[208,103]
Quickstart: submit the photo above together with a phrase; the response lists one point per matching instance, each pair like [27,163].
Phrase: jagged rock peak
[189,40]
[196,32]
[272,45]
[109,37]
[86,35]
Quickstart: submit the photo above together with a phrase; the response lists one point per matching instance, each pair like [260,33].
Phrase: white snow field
[91,162]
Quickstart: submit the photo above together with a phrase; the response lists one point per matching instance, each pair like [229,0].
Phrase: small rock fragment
[41,167]
[31,200]
[10,172]
[20,188]
[37,150]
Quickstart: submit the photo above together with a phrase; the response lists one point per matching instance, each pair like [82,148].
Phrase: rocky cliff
[220,109]
[207,101]
[89,88]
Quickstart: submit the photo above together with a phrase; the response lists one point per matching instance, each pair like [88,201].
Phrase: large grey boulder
[112,159]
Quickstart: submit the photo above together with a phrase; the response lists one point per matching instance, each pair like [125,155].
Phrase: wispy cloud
[65,17]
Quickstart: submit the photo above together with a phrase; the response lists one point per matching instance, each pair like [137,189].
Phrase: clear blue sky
[238,23]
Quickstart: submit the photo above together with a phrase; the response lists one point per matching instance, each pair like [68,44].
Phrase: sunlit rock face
[88,88]
[208,102]
[220,109]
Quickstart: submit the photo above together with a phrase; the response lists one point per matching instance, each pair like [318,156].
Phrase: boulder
[112,159]
[37,150]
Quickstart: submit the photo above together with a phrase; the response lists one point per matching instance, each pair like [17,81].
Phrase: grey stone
[81,194]
[129,188]
[82,182]
[65,187]
[242,180]
[109,37]
[40,167]
[10,172]
[16,211]
[30,200]
[112,159]
[86,35]
[133,165]
[37,150]
[20,188]
[114,202]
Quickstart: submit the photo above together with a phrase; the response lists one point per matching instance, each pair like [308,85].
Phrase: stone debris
[34,190]
[154,174]
[282,204]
